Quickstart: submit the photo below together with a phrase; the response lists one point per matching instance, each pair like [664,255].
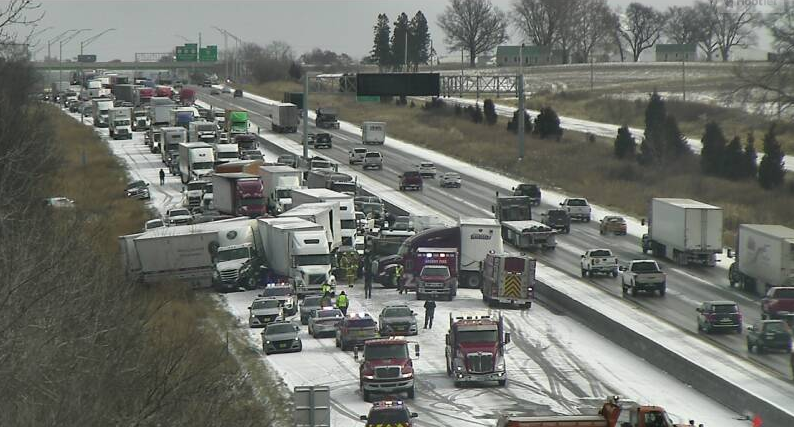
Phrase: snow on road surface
[555,364]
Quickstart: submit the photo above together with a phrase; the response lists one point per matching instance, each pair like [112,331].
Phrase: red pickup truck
[412,180]
[778,303]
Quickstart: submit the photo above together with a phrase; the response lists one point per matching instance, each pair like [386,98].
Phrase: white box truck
[297,250]
[478,238]
[284,118]
[196,160]
[373,132]
[202,131]
[684,230]
[100,108]
[279,181]
[170,138]
[160,110]
[346,206]
[325,214]
[225,153]
[120,122]
[764,257]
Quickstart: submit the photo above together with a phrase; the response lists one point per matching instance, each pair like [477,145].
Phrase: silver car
[281,337]
[373,160]
[264,311]
[450,179]
[397,319]
[323,322]
[310,303]
[285,295]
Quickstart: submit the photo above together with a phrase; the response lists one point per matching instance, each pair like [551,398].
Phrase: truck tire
[584,273]
[366,395]
[411,392]
[502,383]
[528,305]
[634,291]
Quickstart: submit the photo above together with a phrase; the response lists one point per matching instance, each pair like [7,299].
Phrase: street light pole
[55,39]
[60,51]
[521,111]
[225,49]
[90,40]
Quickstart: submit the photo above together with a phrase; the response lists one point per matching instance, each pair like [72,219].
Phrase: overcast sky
[156,26]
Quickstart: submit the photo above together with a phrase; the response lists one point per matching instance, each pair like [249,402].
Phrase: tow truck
[475,346]
[612,414]
[386,367]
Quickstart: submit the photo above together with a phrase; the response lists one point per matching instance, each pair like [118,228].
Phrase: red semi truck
[475,349]
[238,194]
[187,97]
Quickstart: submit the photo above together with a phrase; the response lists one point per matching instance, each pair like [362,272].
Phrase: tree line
[405,47]
[579,29]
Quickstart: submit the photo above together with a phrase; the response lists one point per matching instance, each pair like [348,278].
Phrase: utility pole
[225,49]
[305,136]
[460,85]
[591,74]
[683,78]
[521,113]
[406,50]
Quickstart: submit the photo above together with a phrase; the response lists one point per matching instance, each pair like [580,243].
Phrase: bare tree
[735,27]
[705,15]
[641,27]
[592,27]
[537,20]
[17,17]
[474,25]
[681,25]
[774,83]
[616,34]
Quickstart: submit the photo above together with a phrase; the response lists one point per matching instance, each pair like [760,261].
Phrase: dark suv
[766,334]
[713,315]
[530,190]
[557,219]
[389,412]
[410,179]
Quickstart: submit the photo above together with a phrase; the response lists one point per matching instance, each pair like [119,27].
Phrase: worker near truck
[342,302]
[398,274]
[367,277]
[325,289]
[430,310]
[162,177]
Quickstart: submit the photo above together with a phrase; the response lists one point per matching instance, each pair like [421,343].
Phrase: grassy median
[574,164]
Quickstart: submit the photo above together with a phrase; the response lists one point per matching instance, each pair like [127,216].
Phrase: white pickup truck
[577,208]
[599,261]
[643,275]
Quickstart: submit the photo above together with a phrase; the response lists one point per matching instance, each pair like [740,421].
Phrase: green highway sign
[208,54]
[187,53]
[366,98]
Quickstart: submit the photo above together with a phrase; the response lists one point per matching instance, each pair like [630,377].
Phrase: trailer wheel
[528,305]
[502,383]
[411,392]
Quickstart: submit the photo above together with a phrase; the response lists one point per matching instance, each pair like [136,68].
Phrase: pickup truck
[577,208]
[643,275]
[354,329]
[373,160]
[356,155]
[557,219]
[599,261]
[410,179]
[778,303]
[321,140]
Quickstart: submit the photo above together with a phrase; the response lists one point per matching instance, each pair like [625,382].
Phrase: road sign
[86,58]
[208,54]
[367,98]
[312,406]
[187,53]
[398,84]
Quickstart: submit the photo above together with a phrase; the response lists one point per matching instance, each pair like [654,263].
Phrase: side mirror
[414,415]
[642,221]
[582,255]
[699,310]
[730,253]
[249,307]
[507,337]
[622,268]
[562,203]
[416,350]
[363,418]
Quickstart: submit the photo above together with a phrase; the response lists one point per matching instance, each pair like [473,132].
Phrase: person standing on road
[162,177]
[342,302]
[430,310]
[367,278]
[397,280]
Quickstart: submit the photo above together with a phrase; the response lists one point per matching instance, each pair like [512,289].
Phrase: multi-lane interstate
[555,363]
[686,286]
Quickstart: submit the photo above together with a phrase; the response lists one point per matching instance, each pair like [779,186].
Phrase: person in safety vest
[342,302]
[397,279]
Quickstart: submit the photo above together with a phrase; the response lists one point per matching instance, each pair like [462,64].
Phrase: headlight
[459,368]
[500,365]
[267,342]
[297,339]
[369,377]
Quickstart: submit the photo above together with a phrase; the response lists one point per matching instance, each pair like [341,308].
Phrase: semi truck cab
[475,349]
[385,367]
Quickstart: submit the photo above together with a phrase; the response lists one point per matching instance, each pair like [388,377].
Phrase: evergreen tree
[418,41]
[476,114]
[771,171]
[547,123]
[295,70]
[625,145]
[401,29]
[750,159]
[489,109]
[512,125]
[733,160]
[675,143]
[711,155]
[381,54]
[652,146]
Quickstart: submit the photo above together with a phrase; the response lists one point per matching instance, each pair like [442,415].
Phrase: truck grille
[399,327]
[229,275]
[480,362]
[316,279]
[267,319]
[387,372]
